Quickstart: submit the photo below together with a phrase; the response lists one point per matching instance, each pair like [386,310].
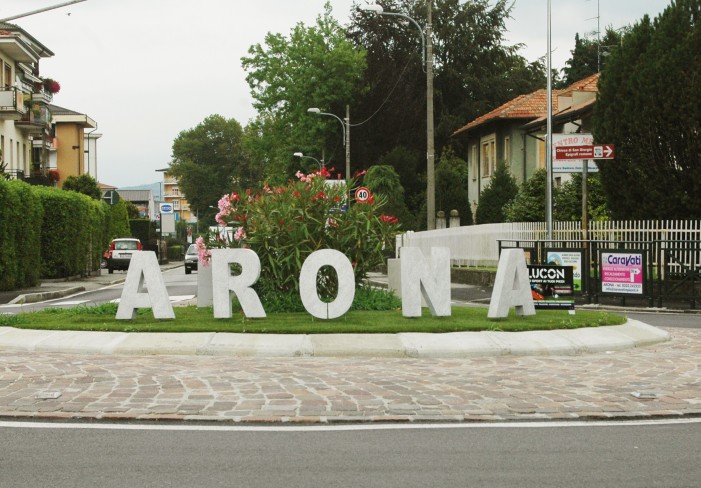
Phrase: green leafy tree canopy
[208,160]
[85,184]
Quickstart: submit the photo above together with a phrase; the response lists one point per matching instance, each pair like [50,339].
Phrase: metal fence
[671,252]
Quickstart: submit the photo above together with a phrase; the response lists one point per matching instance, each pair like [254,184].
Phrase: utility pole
[430,151]
[346,128]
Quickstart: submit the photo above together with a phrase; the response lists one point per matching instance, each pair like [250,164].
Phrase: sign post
[580,148]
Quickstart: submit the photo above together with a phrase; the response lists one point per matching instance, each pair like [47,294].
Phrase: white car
[120,251]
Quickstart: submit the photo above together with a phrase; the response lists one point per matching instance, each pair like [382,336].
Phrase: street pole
[549,140]
[430,151]
[38,11]
[346,128]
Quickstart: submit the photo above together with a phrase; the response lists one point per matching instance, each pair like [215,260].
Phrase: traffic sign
[601,151]
[362,194]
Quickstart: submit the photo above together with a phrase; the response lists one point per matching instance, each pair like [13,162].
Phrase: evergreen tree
[383,180]
[501,191]
[529,203]
[451,186]
[649,106]
[568,206]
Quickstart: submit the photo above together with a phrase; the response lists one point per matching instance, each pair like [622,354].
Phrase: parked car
[120,251]
[191,259]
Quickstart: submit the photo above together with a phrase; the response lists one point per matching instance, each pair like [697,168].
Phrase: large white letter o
[346,284]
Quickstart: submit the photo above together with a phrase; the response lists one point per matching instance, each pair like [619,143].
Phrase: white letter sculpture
[144,269]
[430,279]
[223,283]
[346,284]
[511,286]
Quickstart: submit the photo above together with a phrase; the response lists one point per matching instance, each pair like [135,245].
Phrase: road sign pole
[585,220]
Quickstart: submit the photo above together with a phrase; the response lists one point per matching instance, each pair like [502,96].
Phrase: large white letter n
[429,278]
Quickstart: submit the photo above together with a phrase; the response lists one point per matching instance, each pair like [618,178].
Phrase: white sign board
[168,223]
[572,165]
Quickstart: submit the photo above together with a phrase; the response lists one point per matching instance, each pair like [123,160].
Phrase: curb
[564,342]
[45,295]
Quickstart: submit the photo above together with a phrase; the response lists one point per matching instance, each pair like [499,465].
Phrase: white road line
[70,302]
[336,428]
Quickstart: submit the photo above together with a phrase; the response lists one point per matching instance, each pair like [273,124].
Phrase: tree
[451,186]
[529,204]
[133,211]
[406,163]
[209,160]
[568,206]
[656,174]
[85,184]
[589,56]
[384,180]
[474,72]
[501,190]
[315,66]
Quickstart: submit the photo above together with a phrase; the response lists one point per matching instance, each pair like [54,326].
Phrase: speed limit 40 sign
[362,194]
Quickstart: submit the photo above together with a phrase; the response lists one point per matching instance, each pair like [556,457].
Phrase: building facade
[515,133]
[40,142]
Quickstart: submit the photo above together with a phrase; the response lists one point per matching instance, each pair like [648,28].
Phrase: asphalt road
[553,455]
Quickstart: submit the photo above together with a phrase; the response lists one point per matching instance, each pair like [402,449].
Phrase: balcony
[36,120]
[12,103]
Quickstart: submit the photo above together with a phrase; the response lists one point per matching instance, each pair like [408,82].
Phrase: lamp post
[345,126]
[300,155]
[427,59]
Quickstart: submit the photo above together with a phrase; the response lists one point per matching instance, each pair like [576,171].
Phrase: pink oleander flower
[240,234]
[203,254]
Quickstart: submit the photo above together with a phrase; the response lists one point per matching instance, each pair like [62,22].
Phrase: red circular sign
[362,194]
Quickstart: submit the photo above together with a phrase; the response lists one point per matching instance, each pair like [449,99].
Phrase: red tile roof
[533,105]
[528,106]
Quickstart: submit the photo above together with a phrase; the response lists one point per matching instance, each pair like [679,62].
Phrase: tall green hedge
[21,218]
[73,234]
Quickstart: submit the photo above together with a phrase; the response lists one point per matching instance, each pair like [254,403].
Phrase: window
[541,154]
[176,203]
[6,75]
[176,191]
[473,166]
[489,156]
[507,150]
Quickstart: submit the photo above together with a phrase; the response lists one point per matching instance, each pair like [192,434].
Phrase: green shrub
[20,235]
[286,224]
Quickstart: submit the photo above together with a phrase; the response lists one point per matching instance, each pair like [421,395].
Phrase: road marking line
[331,428]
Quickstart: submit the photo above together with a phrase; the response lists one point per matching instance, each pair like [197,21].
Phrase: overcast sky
[147,69]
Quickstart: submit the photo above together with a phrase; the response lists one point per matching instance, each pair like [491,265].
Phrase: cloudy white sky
[147,69]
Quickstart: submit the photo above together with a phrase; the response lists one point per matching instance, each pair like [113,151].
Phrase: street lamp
[345,126]
[427,59]
[300,155]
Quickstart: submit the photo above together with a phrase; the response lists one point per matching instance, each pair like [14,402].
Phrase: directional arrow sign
[603,151]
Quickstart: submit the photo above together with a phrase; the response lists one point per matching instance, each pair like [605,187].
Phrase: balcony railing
[37,119]
[12,103]
[15,174]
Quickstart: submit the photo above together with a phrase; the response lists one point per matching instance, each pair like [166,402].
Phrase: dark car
[118,256]
[191,259]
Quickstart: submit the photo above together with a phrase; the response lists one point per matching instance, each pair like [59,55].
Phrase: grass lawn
[192,319]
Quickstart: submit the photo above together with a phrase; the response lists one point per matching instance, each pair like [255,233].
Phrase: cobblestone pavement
[661,380]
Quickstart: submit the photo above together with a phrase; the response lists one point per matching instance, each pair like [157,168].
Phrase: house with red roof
[515,133]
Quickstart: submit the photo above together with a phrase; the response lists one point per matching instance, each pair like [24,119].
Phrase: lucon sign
[421,277]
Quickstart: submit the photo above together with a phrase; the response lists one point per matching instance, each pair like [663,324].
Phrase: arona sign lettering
[420,277]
